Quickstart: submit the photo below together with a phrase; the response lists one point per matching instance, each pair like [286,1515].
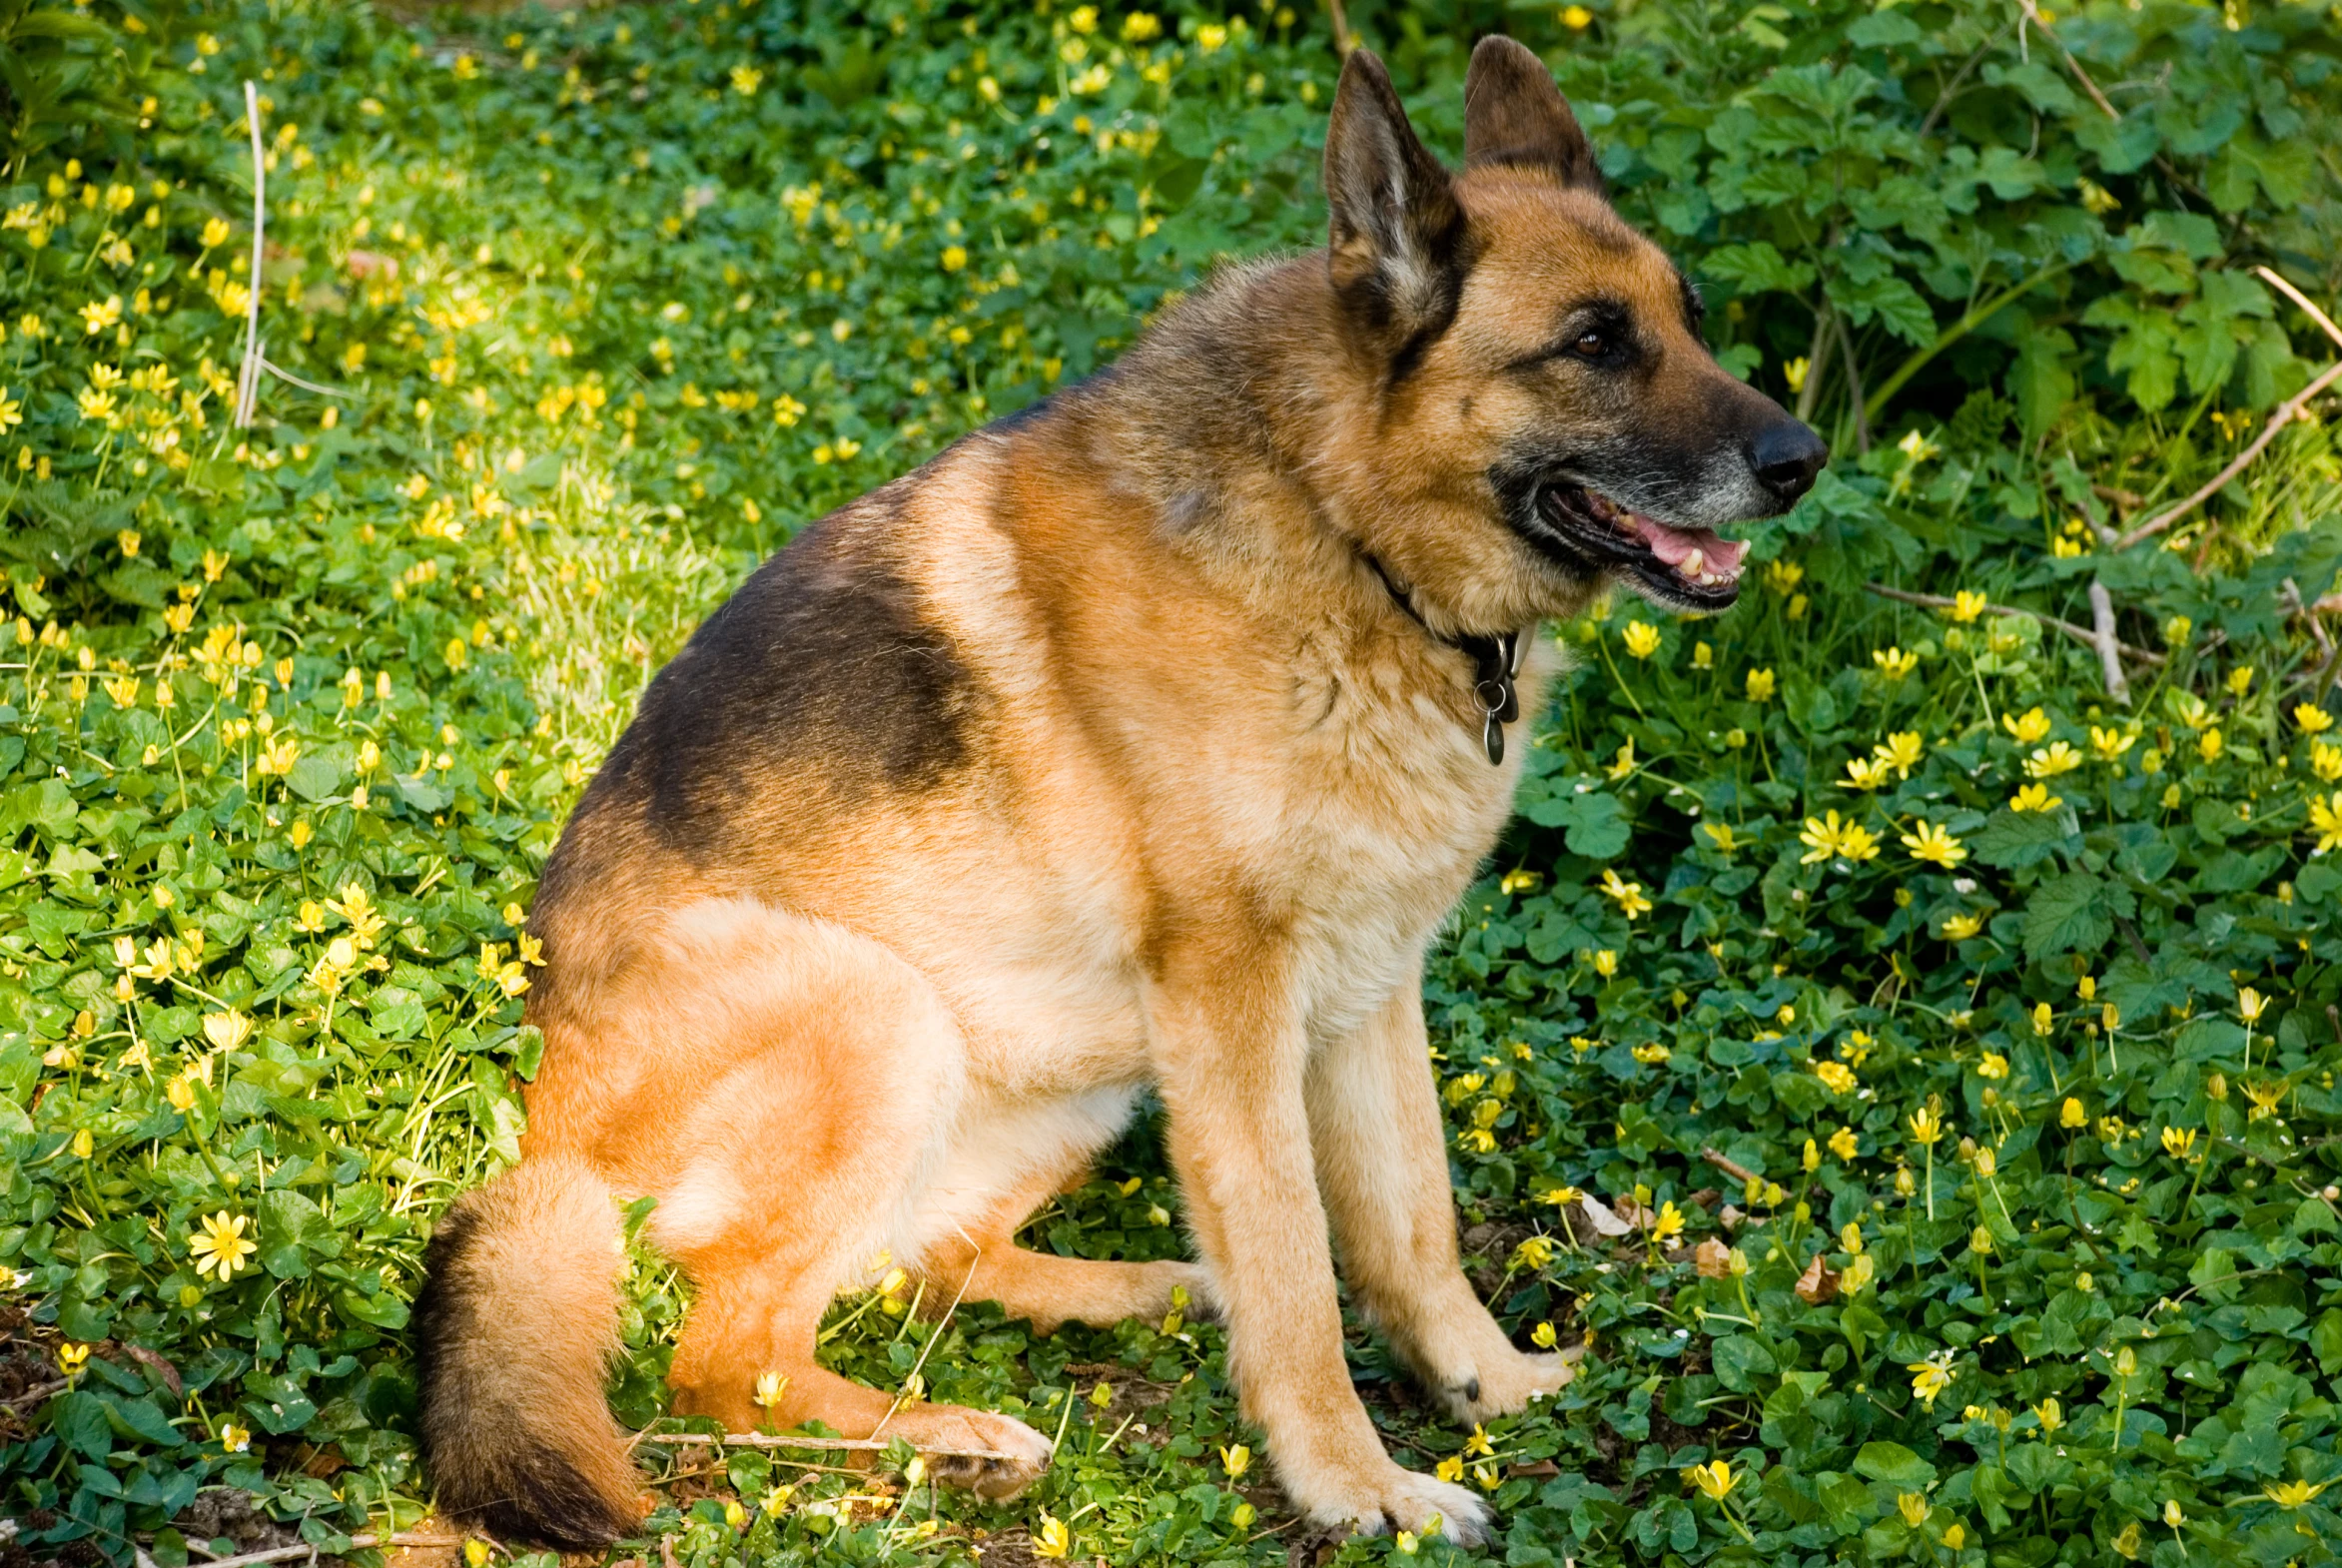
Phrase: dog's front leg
[1233,1059]
[1382,1166]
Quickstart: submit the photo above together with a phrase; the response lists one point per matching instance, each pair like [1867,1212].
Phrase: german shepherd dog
[1143,739]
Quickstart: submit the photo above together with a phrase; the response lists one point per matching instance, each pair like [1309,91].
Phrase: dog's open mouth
[1693,567]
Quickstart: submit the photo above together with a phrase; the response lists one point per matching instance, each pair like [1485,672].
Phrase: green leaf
[316,775]
[2073,913]
[2013,839]
[1894,1465]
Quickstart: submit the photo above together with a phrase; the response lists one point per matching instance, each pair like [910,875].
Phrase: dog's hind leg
[978,1259]
[810,1070]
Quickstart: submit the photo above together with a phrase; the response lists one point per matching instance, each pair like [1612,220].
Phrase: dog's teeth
[1696,563]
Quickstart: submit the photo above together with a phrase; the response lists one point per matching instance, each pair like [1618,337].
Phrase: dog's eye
[1591,344]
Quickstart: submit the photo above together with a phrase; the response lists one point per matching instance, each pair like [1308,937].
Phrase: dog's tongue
[1675,546]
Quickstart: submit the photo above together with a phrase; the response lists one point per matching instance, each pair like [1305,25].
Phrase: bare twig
[248,381]
[1937,601]
[820,1444]
[2032,13]
[2109,649]
[2284,415]
[1740,1172]
[37,1391]
[357,1543]
[1344,39]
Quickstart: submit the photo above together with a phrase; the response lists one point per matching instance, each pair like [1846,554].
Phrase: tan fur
[1207,793]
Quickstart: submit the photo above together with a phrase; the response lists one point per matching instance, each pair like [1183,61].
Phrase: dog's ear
[1396,230]
[1514,114]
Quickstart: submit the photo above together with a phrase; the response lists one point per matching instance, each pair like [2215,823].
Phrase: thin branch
[283,375]
[357,1543]
[1344,39]
[2109,650]
[1937,601]
[1740,1173]
[248,382]
[2033,14]
[2284,415]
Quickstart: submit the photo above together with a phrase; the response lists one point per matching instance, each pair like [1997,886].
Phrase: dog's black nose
[1786,456]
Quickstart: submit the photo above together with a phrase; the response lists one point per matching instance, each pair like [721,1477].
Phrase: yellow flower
[2208,744]
[1642,639]
[2173,1514]
[1916,447]
[1933,844]
[2178,1143]
[2044,1020]
[2250,1004]
[1930,1378]
[1669,1224]
[1901,751]
[955,256]
[2325,818]
[1450,1470]
[1958,928]
[2073,1114]
[746,79]
[236,1439]
[1966,606]
[97,407]
[1052,1539]
[1894,663]
[770,1386]
[99,314]
[1993,1065]
[1652,1055]
[1606,963]
[1722,834]
[1837,1076]
[216,232]
[1577,19]
[226,1030]
[1236,1460]
[1703,657]
[1794,373]
[2108,745]
[2292,1494]
[1211,37]
[72,1358]
[219,1245]
[2314,720]
[2128,1542]
[2026,727]
[1843,1144]
[1913,1509]
[1141,27]
[2035,797]
[1760,685]
[1714,1479]
[1625,764]
[2326,762]
[2057,758]
[1863,774]
[1926,1126]
[1628,894]
[1825,837]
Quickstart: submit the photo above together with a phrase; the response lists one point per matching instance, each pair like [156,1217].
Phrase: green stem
[1974,319]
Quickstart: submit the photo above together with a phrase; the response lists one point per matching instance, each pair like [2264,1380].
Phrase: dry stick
[1344,42]
[2284,415]
[2109,650]
[825,1445]
[248,382]
[1742,1172]
[2033,14]
[357,1543]
[1937,601]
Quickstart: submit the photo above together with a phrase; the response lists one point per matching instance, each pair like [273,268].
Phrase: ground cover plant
[1904,1060]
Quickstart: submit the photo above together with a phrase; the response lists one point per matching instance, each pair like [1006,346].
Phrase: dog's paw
[1383,1498]
[1505,1383]
[1018,1453]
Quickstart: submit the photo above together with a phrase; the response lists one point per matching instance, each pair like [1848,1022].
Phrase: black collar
[1496,659]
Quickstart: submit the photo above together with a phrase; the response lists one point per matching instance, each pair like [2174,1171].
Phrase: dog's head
[1538,360]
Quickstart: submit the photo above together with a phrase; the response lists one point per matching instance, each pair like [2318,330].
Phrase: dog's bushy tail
[517,1322]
